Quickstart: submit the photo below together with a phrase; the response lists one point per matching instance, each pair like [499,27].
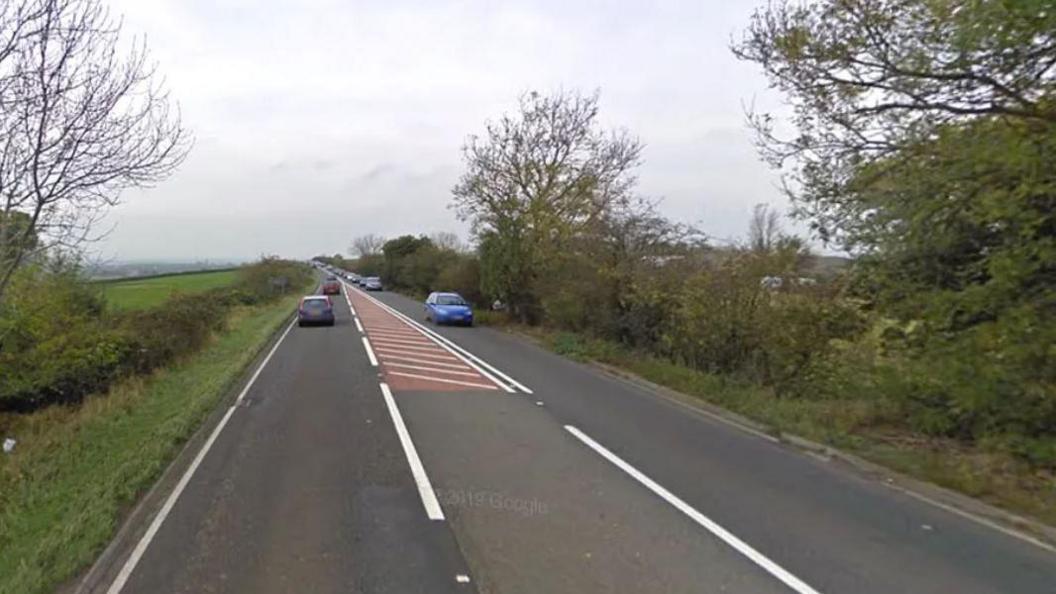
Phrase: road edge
[1023,528]
[136,520]
[1012,524]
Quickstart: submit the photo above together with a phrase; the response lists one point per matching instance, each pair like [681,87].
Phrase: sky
[319,120]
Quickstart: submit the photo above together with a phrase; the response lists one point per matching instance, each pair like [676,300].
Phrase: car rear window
[315,304]
[450,300]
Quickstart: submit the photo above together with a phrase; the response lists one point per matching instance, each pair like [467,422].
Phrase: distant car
[448,308]
[315,309]
[372,283]
[331,286]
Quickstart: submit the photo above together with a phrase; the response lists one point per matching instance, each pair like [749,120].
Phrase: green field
[148,292]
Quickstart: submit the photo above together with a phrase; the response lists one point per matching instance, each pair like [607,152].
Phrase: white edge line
[170,502]
[358,325]
[443,380]
[370,352]
[421,479]
[739,545]
[428,334]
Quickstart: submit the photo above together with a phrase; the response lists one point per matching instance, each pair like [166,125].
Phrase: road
[387,455]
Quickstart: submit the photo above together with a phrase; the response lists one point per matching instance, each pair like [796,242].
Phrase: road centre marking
[394,351]
[358,325]
[446,381]
[370,352]
[485,368]
[737,544]
[421,479]
[408,348]
[385,359]
[436,369]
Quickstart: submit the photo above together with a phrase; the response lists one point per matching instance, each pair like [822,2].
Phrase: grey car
[372,283]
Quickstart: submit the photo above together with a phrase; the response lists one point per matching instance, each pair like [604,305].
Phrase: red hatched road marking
[408,359]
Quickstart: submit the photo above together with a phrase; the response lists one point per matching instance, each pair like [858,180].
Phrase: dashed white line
[421,479]
[442,380]
[358,325]
[170,501]
[739,545]
[370,352]
[436,369]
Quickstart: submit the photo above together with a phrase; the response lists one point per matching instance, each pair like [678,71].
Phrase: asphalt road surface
[388,455]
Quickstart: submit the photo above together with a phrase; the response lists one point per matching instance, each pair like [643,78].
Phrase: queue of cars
[440,307]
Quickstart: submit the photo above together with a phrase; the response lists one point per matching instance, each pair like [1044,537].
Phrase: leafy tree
[535,180]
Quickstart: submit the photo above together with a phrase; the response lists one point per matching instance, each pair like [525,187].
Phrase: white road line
[436,369]
[390,351]
[406,347]
[739,545]
[370,352]
[358,325]
[469,358]
[384,358]
[403,341]
[444,341]
[421,479]
[170,501]
[398,333]
[442,380]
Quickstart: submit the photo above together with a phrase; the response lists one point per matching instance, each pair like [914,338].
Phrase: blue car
[448,308]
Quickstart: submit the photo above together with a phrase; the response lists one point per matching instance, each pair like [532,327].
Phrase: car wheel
[300,324]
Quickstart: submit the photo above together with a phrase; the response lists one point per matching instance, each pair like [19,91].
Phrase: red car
[331,286]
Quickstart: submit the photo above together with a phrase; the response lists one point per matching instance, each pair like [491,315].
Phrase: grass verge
[148,292]
[854,425]
[77,468]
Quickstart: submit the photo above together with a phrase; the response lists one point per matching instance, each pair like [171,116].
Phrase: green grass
[148,292]
[76,469]
[864,427]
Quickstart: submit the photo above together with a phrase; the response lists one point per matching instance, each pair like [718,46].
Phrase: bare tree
[366,245]
[764,229]
[446,240]
[82,118]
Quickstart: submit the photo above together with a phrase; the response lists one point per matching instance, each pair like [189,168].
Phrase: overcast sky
[319,120]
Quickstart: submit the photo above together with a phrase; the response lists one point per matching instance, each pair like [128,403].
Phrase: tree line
[923,143]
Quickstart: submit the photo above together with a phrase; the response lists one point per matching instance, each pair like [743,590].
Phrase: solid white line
[739,545]
[391,351]
[384,359]
[446,381]
[267,358]
[370,352]
[425,489]
[170,501]
[358,325]
[448,347]
[436,369]
[444,342]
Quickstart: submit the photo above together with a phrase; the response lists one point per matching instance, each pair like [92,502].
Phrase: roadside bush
[59,343]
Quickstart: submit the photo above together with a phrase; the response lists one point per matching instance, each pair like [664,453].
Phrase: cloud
[323,119]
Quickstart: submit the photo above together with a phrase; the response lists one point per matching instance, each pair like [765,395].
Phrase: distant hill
[130,269]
